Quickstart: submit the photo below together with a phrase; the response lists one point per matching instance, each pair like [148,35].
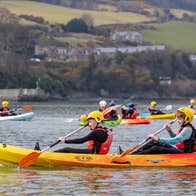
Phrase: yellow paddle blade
[27,107]
[29,159]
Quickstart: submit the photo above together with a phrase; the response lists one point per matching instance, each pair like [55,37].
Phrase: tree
[77,25]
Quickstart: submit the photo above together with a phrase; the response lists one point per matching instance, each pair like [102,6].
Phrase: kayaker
[153,110]
[113,113]
[129,111]
[103,107]
[184,139]
[4,110]
[99,139]
[192,103]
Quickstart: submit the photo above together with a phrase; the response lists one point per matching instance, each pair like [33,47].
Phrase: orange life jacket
[190,144]
[105,147]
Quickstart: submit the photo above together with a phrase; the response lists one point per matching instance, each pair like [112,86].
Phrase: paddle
[107,110]
[33,156]
[168,107]
[26,107]
[118,159]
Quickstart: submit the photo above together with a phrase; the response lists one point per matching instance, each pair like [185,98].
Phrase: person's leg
[145,146]
[74,150]
[158,149]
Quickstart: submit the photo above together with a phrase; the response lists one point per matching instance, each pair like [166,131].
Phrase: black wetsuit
[97,136]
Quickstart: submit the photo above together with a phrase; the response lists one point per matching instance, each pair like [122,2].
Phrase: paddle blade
[108,110]
[120,159]
[168,107]
[27,107]
[29,159]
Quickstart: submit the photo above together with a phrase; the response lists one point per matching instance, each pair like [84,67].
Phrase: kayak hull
[135,121]
[112,123]
[11,155]
[159,116]
[19,117]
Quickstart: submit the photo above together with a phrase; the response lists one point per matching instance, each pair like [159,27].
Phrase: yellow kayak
[11,155]
[161,116]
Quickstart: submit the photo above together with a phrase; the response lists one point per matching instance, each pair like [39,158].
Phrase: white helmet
[102,103]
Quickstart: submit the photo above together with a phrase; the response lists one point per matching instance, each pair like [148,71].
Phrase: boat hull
[19,117]
[135,121]
[159,116]
[11,155]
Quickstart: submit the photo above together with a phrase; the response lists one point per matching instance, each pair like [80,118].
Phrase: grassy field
[178,35]
[58,14]
[179,13]
[80,39]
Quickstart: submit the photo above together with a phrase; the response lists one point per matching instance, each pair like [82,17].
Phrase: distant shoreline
[40,96]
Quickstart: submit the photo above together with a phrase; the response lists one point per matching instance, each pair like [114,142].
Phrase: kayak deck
[160,116]
[11,155]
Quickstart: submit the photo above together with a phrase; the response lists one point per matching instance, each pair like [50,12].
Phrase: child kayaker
[129,111]
[192,103]
[4,110]
[99,139]
[184,138]
[153,110]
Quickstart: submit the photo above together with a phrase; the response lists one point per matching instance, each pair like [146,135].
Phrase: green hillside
[178,35]
[58,14]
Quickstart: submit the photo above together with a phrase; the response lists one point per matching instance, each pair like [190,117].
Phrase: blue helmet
[112,103]
[131,105]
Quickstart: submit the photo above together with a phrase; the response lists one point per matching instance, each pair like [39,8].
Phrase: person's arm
[89,137]
[168,128]
[184,135]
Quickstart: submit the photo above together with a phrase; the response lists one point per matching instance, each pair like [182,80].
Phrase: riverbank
[40,95]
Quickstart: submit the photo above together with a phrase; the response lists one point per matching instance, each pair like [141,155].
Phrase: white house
[124,36]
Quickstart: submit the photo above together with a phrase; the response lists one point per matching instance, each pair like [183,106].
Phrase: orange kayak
[11,155]
[136,121]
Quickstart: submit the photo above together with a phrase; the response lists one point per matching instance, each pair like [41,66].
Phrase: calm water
[55,119]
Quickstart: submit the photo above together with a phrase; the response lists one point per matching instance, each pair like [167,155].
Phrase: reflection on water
[98,181]
[56,119]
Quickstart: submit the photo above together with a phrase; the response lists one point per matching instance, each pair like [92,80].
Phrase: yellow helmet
[192,101]
[83,118]
[188,112]
[97,115]
[153,103]
[4,103]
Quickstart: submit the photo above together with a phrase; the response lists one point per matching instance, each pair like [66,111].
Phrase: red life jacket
[105,147]
[106,115]
[134,115]
[190,144]
[4,112]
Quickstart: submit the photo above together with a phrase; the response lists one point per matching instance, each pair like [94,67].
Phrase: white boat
[18,117]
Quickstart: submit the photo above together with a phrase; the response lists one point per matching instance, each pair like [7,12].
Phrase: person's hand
[62,139]
[153,137]
[168,127]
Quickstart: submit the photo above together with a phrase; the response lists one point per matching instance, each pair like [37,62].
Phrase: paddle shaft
[140,144]
[68,135]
